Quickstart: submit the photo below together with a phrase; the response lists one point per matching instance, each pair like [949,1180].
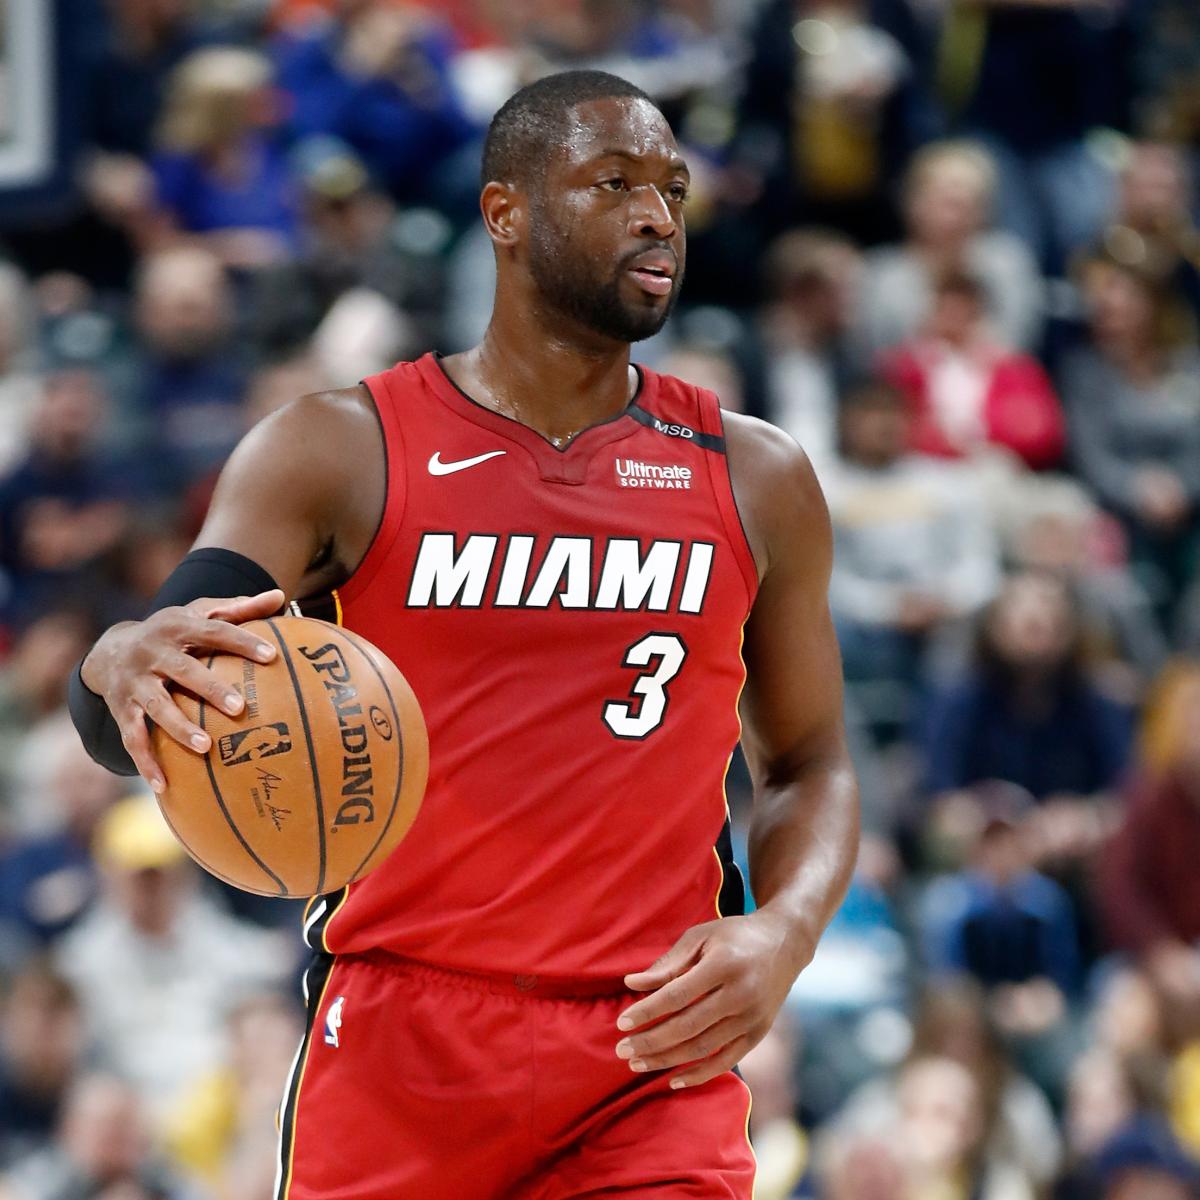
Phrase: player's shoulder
[337,413]
[778,496]
[772,455]
[321,440]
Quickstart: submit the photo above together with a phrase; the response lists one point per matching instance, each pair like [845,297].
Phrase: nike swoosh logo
[437,467]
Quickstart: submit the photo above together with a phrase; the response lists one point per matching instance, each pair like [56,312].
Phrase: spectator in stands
[812,281]
[41,1045]
[191,372]
[1133,401]
[1056,527]
[103,1151]
[862,1168]
[33,692]
[833,104]
[1026,712]
[219,174]
[782,1148]
[913,551]
[153,545]
[1150,887]
[937,1141]
[155,962]
[1032,81]
[20,385]
[948,195]
[707,367]
[1101,1099]
[378,76]
[47,880]
[1153,227]
[1144,1161]
[1004,924]
[127,75]
[952,1023]
[942,1136]
[352,237]
[223,1130]
[64,505]
[674,52]
[969,393]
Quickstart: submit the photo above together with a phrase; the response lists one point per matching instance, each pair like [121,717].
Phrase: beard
[568,286]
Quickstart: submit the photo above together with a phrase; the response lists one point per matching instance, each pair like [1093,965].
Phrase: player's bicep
[272,502]
[792,704]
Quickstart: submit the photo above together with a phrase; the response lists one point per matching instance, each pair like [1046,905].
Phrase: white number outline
[665,653]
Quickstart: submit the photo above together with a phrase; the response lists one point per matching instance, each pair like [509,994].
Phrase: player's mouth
[654,272]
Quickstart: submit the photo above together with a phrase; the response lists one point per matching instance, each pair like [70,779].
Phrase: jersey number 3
[643,713]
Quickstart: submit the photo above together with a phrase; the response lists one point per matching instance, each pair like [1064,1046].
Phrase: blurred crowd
[951,246]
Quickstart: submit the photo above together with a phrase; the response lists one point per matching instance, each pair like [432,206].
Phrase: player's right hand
[134,664]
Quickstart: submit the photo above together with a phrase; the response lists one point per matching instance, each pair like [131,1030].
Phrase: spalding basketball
[318,778]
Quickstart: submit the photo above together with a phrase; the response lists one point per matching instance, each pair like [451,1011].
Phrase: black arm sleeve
[208,572]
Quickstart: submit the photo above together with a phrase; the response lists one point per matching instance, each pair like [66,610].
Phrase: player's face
[607,241]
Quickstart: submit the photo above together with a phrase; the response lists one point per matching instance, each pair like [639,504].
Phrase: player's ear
[503,207]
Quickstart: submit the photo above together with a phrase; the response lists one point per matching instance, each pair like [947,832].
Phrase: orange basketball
[316,781]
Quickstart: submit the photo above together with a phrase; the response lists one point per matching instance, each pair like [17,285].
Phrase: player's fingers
[673,996]
[136,739]
[718,1064]
[208,633]
[155,701]
[711,1042]
[681,1028]
[673,963]
[240,609]
[193,676]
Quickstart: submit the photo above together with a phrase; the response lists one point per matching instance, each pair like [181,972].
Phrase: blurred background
[949,245]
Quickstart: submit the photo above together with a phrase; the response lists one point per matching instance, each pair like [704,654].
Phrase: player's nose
[650,215]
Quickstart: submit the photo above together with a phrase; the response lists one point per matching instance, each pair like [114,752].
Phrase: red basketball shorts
[414,1082]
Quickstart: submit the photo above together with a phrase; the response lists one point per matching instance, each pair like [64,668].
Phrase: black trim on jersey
[706,441]
[322,607]
[313,931]
[316,980]
[731,900]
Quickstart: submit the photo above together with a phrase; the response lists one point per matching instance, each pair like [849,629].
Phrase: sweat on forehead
[539,118]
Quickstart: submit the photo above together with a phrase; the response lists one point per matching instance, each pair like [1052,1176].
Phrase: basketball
[318,778]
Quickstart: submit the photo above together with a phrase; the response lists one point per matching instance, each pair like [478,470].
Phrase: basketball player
[540,995]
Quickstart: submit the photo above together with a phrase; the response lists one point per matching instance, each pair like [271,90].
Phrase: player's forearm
[803,847]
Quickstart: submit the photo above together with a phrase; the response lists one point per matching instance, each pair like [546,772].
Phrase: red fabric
[447,1088]
[550,841]
[1150,873]
[1021,410]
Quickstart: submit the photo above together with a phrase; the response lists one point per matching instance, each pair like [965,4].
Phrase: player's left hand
[714,995]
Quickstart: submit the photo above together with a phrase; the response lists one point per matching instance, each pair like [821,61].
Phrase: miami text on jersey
[572,572]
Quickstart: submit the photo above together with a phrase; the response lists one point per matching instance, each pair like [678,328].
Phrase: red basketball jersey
[570,621]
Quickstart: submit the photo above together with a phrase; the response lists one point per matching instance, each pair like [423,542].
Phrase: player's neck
[546,381]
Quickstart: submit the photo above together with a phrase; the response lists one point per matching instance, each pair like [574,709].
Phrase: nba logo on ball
[333,1022]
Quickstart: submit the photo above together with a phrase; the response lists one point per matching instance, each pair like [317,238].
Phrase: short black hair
[534,119]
